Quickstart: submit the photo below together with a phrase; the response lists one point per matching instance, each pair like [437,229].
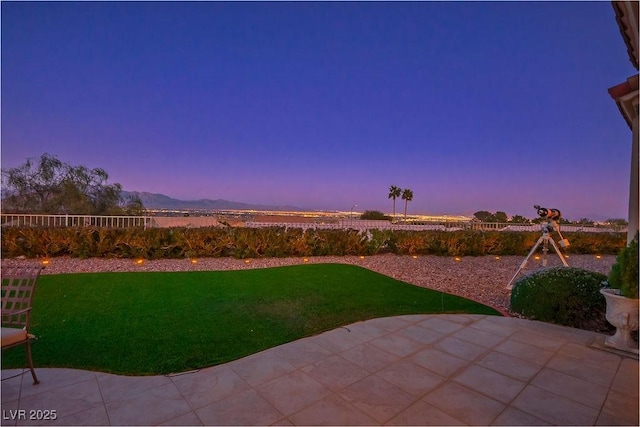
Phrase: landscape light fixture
[551,217]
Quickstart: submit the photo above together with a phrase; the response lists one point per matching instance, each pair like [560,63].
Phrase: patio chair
[18,286]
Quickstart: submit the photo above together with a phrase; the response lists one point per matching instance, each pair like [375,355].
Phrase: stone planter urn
[622,313]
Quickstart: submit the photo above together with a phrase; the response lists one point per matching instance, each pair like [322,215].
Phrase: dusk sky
[472,105]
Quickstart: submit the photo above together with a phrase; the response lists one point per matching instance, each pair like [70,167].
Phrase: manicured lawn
[157,323]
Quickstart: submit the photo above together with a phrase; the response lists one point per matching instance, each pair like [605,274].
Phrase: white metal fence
[107,221]
[441,226]
[25,220]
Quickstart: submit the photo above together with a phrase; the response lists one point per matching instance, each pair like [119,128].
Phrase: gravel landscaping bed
[482,279]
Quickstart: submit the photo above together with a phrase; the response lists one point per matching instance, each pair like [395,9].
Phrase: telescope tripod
[545,239]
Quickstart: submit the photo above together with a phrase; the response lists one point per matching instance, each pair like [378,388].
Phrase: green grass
[157,323]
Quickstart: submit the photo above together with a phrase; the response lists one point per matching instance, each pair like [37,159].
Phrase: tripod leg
[564,261]
[524,263]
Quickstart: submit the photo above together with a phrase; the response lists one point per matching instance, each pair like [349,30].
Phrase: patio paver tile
[90,417]
[390,324]
[244,408]
[369,357]
[571,387]
[591,372]
[397,344]
[626,379]
[414,318]
[377,397]
[464,319]
[332,410]
[509,365]
[261,367]
[554,408]
[605,419]
[67,400]
[209,385]
[525,352]
[154,406]
[122,387]
[515,417]
[302,353]
[188,419]
[465,404]
[11,386]
[420,334]
[493,384]
[460,348]
[282,422]
[478,337]
[539,339]
[592,355]
[335,372]
[292,392]
[494,325]
[338,340]
[366,331]
[410,377]
[51,379]
[622,406]
[443,364]
[442,325]
[423,414]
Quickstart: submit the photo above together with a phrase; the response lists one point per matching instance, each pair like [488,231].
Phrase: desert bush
[410,243]
[375,215]
[595,243]
[33,242]
[382,241]
[563,295]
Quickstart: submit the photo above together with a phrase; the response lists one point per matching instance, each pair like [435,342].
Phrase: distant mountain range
[161,201]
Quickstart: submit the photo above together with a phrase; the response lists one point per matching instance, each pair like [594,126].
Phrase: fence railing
[26,220]
[363,225]
[106,221]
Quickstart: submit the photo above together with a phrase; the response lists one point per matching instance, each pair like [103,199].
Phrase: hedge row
[280,242]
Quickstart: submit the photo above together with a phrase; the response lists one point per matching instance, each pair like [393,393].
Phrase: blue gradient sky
[474,106]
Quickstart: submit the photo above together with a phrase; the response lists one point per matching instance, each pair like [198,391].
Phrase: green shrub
[278,241]
[624,273]
[375,215]
[563,295]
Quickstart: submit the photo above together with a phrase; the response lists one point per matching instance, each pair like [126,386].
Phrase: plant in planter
[622,298]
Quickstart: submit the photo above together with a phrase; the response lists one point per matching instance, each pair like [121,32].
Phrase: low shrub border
[242,243]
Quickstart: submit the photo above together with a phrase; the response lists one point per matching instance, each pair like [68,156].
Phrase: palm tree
[393,193]
[407,196]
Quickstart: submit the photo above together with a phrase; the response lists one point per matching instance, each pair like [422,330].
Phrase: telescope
[552,214]
[550,225]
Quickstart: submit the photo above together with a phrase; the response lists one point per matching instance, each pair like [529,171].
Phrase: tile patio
[407,370]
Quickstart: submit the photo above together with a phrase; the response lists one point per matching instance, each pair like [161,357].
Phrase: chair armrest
[9,318]
[14,313]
